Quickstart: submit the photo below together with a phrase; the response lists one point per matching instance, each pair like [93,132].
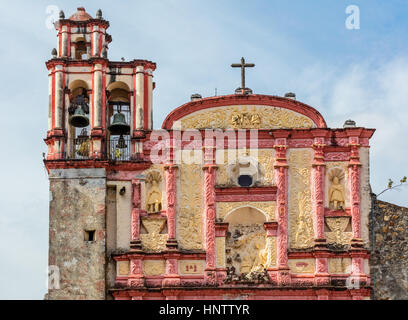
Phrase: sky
[302,46]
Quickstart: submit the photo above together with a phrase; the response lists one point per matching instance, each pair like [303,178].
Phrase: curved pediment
[244,112]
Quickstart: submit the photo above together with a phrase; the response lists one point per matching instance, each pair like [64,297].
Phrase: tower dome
[80,15]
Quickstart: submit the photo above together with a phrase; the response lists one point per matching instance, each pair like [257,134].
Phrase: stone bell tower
[99,110]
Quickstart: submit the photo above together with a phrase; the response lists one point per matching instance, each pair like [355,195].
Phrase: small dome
[80,15]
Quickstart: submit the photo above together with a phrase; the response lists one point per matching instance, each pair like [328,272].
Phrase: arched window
[80,49]
[118,109]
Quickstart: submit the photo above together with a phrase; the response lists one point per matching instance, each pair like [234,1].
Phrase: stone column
[97,131]
[354,181]
[271,229]
[220,234]
[135,243]
[281,179]
[149,75]
[171,191]
[139,98]
[318,175]
[57,132]
[209,211]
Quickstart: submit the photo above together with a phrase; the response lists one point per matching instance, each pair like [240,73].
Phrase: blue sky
[298,45]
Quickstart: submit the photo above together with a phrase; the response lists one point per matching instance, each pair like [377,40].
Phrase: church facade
[242,196]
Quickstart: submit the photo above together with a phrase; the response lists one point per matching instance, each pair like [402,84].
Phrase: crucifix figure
[243,65]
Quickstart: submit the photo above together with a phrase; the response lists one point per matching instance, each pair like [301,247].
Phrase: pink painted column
[281,179]
[135,243]
[209,211]
[171,191]
[354,178]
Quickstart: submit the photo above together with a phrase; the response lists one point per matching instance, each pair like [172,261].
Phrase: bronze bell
[79,119]
[119,125]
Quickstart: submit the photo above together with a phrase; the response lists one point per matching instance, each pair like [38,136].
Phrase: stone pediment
[253,112]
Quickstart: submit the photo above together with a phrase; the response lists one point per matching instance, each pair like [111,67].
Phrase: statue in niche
[336,191]
[154,195]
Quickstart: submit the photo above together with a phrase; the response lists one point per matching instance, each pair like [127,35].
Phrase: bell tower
[99,113]
[87,90]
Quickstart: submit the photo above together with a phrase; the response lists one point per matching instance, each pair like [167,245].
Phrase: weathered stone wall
[77,204]
[389,256]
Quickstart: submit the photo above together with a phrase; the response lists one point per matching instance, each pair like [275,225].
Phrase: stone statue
[336,194]
[154,196]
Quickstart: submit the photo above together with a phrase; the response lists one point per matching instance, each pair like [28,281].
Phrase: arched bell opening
[247,252]
[118,121]
[80,47]
[78,126]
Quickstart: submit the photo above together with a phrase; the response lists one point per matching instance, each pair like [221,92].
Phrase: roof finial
[54,53]
[61,15]
[99,14]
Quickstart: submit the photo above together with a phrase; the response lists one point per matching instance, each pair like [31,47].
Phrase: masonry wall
[389,257]
[77,204]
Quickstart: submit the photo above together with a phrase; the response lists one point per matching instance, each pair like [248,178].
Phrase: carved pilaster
[210,214]
[318,174]
[170,174]
[355,181]
[281,178]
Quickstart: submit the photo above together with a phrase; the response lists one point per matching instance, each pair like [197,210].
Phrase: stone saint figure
[336,194]
[154,198]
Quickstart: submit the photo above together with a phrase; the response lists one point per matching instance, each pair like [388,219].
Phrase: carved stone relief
[338,233]
[248,117]
[189,219]
[301,233]
[153,240]
[246,251]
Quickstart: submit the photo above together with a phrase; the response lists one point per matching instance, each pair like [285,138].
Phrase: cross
[242,65]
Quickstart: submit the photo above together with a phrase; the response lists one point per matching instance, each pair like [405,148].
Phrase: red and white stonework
[242,196]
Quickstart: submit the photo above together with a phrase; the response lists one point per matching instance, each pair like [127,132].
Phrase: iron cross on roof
[243,65]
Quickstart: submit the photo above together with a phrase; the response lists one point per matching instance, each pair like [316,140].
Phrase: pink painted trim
[237,194]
